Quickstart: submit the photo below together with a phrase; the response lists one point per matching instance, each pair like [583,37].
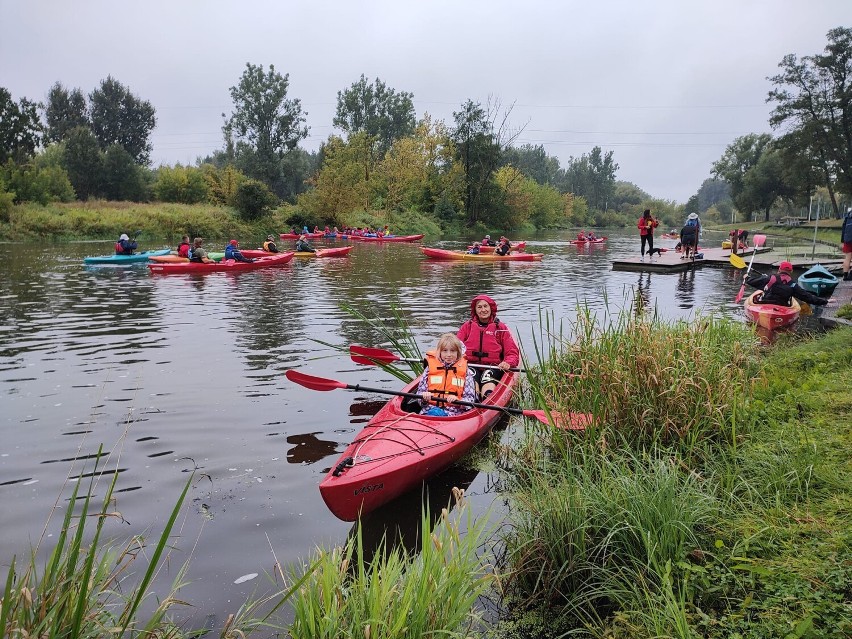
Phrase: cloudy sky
[664,84]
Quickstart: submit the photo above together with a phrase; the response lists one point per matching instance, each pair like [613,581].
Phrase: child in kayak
[183,248]
[489,341]
[447,378]
[474,250]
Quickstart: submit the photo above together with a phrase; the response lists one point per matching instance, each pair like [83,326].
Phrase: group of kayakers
[502,247]
[482,340]
[365,231]
[582,236]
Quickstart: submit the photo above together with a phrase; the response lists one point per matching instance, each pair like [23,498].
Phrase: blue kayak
[818,280]
[125,259]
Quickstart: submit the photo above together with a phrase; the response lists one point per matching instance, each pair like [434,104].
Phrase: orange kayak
[771,316]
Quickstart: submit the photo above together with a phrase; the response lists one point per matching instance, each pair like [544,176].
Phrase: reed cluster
[397,594]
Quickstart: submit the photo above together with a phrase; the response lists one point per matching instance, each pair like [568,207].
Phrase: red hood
[491,303]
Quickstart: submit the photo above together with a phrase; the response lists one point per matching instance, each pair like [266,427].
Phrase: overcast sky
[666,85]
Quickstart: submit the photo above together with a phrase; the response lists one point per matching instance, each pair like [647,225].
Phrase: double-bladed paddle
[367,355]
[571,421]
[738,262]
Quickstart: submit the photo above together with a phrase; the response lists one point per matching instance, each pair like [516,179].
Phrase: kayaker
[447,378]
[302,245]
[184,247]
[487,241]
[646,225]
[488,341]
[269,244]
[232,252]
[125,246]
[779,288]
[504,248]
[474,250]
[198,253]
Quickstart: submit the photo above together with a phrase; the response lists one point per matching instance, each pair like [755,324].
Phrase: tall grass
[397,595]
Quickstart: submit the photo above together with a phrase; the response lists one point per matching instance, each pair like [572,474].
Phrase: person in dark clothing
[125,246]
[198,254]
[474,250]
[846,245]
[233,253]
[487,241]
[688,241]
[504,248]
[302,245]
[646,225]
[269,245]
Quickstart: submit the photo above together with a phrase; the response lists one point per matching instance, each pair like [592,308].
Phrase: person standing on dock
[646,225]
[846,245]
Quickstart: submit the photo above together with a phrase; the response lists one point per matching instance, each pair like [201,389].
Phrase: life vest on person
[119,249]
[183,249]
[270,247]
[482,342]
[447,382]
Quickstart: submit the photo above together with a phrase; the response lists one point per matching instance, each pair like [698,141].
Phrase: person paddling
[232,252]
[269,245]
[198,254]
[125,246]
[487,340]
[302,245]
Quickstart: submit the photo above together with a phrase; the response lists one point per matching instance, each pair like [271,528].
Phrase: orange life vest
[447,383]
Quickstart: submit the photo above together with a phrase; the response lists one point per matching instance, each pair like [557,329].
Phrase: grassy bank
[166,223]
[712,498]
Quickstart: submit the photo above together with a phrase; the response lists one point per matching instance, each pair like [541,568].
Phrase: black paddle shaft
[458,402]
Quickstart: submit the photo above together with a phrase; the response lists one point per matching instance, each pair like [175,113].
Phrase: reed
[397,594]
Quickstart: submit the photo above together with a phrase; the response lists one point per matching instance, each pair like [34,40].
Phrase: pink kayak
[771,316]
[387,238]
[340,251]
[279,259]
[296,236]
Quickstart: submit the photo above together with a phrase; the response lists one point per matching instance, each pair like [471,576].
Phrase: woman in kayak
[269,245]
[504,248]
[488,341]
[447,378]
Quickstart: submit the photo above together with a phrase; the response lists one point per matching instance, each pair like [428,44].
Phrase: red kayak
[398,450]
[771,316]
[599,240]
[387,238]
[296,236]
[441,254]
[279,259]
[341,251]
[520,246]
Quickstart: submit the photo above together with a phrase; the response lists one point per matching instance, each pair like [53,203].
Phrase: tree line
[385,161]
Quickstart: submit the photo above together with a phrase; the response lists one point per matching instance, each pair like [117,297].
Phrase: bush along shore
[711,496]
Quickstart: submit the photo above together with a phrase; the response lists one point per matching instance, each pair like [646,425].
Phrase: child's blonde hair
[449,340]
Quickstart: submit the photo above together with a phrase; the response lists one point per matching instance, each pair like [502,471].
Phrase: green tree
[121,178]
[764,183]
[264,124]
[20,128]
[593,177]
[119,117]
[83,161]
[534,162]
[479,148]
[64,111]
[627,194]
[738,159]
[35,182]
[813,98]
[377,110]
[340,187]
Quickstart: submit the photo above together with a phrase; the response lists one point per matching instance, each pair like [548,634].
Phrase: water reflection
[308,448]
[686,289]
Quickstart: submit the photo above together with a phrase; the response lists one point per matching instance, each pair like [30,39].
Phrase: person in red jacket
[646,225]
[489,341]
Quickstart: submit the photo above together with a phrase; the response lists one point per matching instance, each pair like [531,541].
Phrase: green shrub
[184,185]
[253,199]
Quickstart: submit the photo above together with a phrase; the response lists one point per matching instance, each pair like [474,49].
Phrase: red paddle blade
[739,296]
[565,421]
[367,355]
[314,383]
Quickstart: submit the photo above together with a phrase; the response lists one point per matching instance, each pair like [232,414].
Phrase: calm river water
[176,372]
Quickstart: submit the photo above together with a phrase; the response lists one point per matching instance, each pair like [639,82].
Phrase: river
[172,373]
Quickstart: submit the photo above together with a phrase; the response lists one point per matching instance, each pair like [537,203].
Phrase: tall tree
[121,177]
[119,117]
[20,128]
[813,99]
[764,183]
[738,159]
[592,176]
[481,136]
[534,162]
[264,124]
[64,111]
[83,161]
[377,110]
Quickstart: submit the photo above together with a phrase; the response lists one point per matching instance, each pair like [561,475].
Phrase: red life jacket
[484,346]
[446,382]
[183,249]
[118,248]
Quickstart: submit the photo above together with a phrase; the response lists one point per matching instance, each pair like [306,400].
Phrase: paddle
[572,421]
[367,355]
[739,296]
